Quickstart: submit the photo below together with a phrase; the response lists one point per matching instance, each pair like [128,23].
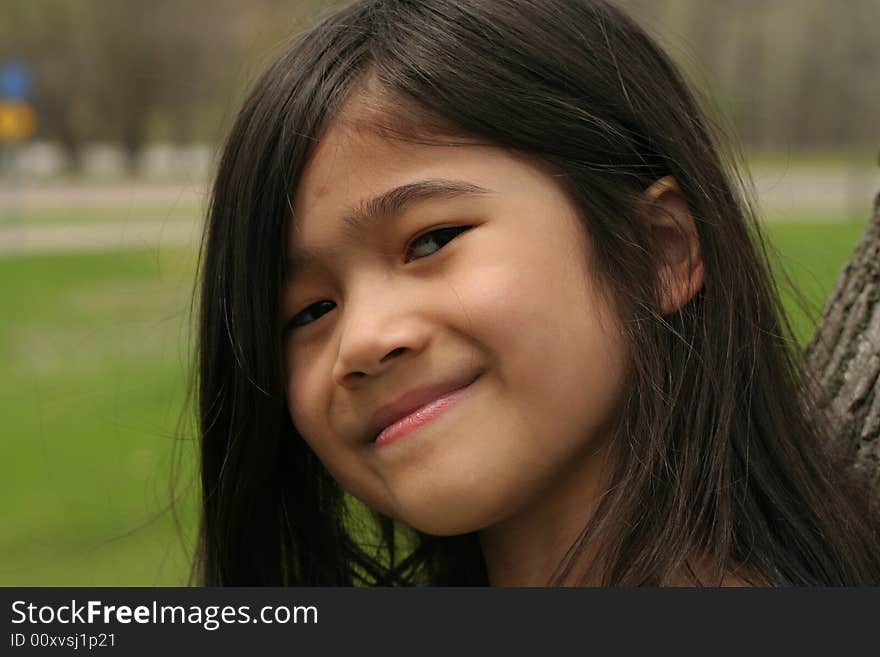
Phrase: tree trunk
[844,355]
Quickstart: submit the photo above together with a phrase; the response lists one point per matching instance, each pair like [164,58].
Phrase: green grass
[813,255]
[93,357]
[93,351]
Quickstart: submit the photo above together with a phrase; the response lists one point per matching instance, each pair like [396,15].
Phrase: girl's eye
[420,247]
[432,241]
[309,315]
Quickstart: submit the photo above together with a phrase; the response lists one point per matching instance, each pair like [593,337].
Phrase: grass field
[93,348]
[812,254]
[94,352]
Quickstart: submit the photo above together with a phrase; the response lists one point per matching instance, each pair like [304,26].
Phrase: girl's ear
[676,243]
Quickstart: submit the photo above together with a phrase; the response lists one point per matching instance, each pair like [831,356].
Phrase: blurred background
[111,116]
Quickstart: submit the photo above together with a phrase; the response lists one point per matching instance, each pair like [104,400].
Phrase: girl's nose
[376,334]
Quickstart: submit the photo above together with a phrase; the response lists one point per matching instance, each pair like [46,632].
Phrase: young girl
[477,265]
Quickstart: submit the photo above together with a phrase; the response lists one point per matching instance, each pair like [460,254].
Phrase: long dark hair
[723,459]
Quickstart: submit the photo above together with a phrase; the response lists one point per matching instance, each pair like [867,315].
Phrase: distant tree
[48,36]
[125,70]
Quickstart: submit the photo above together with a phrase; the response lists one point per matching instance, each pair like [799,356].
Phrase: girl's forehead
[360,156]
[350,164]
[377,138]
[343,153]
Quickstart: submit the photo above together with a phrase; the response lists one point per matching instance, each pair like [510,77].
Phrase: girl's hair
[722,459]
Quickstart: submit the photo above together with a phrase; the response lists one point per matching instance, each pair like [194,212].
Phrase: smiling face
[471,266]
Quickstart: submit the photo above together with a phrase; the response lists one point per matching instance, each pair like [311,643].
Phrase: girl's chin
[450,521]
[445,528]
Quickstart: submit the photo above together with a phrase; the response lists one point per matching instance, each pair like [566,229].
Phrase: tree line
[788,74]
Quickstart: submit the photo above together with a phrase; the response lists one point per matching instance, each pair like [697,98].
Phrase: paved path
[60,196]
[783,195]
[98,236]
[776,188]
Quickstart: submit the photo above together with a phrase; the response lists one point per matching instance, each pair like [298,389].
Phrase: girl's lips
[420,416]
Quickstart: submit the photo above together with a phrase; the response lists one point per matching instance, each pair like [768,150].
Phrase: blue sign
[16,82]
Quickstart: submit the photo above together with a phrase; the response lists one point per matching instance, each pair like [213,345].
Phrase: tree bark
[844,355]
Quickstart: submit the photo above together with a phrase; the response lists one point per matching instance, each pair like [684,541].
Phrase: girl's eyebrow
[395,200]
[359,219]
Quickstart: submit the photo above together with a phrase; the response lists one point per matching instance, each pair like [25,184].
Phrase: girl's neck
[527,548]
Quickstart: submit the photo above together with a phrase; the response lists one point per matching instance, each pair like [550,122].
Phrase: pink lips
[416,409]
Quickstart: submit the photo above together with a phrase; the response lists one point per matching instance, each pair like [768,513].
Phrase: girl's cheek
[303,389]
[498,311]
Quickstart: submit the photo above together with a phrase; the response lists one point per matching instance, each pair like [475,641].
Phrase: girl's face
[425,269]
